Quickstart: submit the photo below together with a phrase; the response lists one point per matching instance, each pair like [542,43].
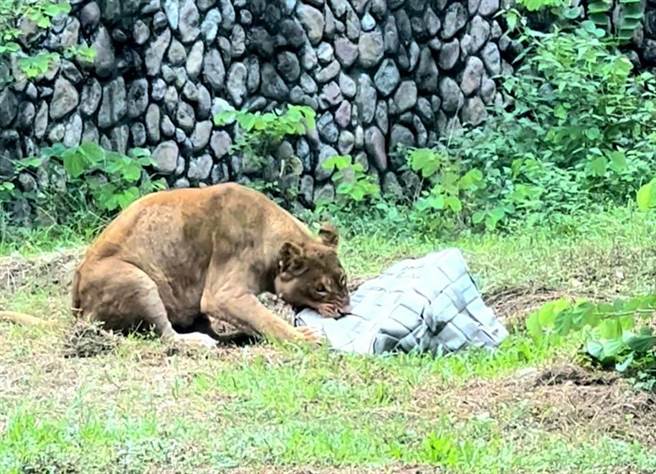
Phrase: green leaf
[560,112]
[534,327]
[131,171]
[618,161]
[610,329]
[425,161]
[625,364]
[595,349]
[30,162]
[646,197]
[338,162]
[471,179]
[75,163]
[593,133]
[453,203]
[93,152]
[127,197]
[641,343]
[477,217]
[598,166]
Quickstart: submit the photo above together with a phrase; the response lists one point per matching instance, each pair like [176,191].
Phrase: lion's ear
[291,259]
[329,235]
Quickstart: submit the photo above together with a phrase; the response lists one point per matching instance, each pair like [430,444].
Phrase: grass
[143,408]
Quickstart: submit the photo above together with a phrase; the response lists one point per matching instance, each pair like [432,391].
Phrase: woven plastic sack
[429,304]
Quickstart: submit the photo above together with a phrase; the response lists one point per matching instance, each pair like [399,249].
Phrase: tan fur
[24,319]
[189,256]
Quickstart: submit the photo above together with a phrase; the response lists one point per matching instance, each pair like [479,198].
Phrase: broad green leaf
[54,9]
[75,163]
[610,329]
[425,161]
[131,171]
[595,349]
[612,348]
[625,364]
[94,153]
[127,197]
[618,160]
[641,343]
[31,162]
[453,203]
[646,197]
[598,166]
[533,326]
[563,322]
[471,179]
[477,217]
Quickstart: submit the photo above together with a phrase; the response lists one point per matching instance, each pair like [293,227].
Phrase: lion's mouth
[331,310]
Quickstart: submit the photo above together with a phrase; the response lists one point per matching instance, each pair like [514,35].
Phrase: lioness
[179,258]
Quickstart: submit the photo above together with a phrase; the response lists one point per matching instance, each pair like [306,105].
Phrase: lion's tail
[76,302]
[23,319]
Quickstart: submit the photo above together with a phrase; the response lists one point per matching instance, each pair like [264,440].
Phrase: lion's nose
[346,308]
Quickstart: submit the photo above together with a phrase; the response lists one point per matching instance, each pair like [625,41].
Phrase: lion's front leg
[244,310]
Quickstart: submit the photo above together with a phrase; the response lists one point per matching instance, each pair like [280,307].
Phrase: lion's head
[311,275]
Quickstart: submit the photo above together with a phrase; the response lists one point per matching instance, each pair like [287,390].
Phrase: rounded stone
[313,22]
[165,157]
[387,77]
[288,66]
[374,142]
[176,54]
[474,112]
[454,20]
[451,95]
[405,97]
[201,135]
[236,85]
[65,98]
[472,75]
[200,168]
[365,99]
[371,49]
[449,55]
[346,52]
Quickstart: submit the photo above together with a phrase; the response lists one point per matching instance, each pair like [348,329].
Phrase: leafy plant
[613,335]
[646,196]
[576,133]
[352,183]
[260,133]
[20,24]
[452,188]
[616,19]
[87,177]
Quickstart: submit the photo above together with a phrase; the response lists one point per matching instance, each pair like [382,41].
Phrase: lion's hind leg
[123,297]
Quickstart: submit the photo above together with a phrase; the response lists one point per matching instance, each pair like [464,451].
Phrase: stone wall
[379,73]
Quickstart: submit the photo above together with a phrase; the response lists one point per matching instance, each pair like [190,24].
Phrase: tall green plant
[578,131]
[260,133]
[618,335]
[616,19]
[646,196]
[84,178]
[352,183]
[20,23]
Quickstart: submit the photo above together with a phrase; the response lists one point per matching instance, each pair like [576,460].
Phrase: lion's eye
[321,289]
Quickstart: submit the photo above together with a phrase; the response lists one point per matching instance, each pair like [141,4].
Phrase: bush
[85,183]
[258,136]
[577,133]
[20,24]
